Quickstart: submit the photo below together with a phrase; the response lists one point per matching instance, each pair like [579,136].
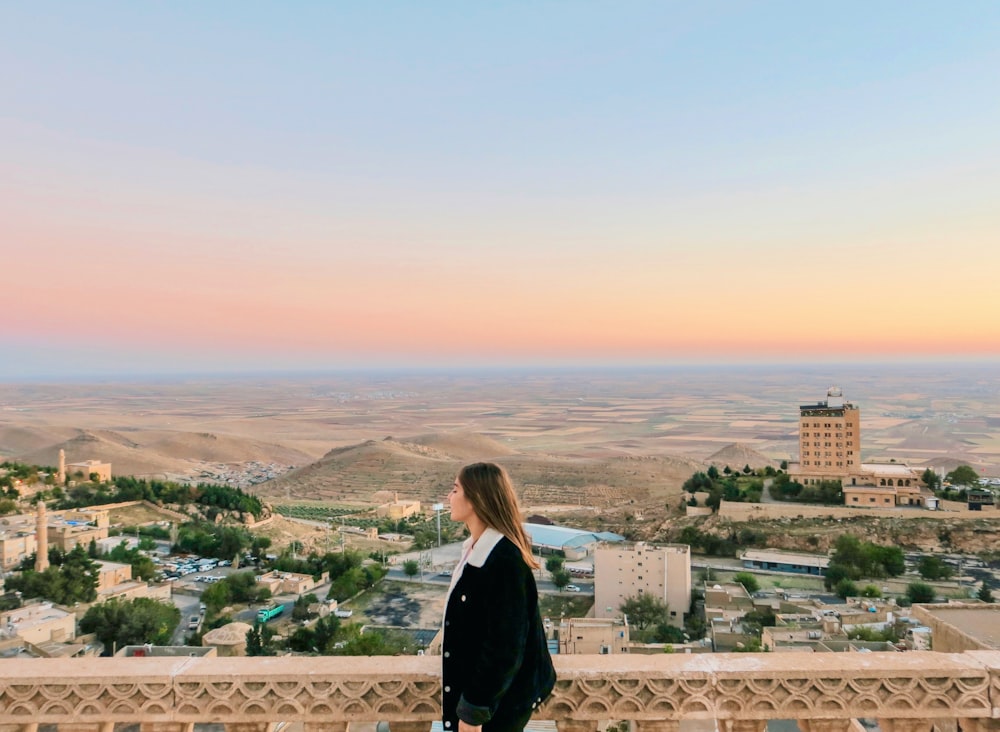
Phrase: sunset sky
[244,186]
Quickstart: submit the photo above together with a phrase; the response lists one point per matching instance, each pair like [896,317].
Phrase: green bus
[266,613]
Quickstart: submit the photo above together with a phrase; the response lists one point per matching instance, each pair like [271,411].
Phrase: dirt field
[403,604]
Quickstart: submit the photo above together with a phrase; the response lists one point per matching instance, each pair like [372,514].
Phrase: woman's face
[461,507]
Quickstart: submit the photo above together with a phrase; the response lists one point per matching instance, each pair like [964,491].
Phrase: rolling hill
[423,468]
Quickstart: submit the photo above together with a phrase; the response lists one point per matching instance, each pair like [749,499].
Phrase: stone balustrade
[824,692]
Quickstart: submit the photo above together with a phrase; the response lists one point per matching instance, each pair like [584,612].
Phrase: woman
[496,667]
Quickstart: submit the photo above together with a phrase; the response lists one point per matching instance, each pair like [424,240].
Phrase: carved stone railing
[825,692]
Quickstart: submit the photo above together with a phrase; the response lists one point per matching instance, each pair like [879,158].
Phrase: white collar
[474,554]
[482,548]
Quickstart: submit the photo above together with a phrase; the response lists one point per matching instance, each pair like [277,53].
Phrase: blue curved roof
[561,536]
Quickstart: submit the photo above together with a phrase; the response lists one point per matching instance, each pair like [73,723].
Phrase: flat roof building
[573,543]
[623,571]
[961,626]
[784,561]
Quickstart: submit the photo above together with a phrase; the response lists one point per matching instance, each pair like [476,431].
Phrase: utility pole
[438,508]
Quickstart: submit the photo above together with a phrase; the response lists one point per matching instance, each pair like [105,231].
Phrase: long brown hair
[491,493]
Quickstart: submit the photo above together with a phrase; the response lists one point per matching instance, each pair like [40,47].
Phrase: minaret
[42,539]
[61,478]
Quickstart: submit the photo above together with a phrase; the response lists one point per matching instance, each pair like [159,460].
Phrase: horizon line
[141,375]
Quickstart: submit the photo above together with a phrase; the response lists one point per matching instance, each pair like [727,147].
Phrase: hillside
[469,447]
[355,472]
[154,453]
[214,448]
[21,440]
[737,454]
[910,531]
[126,457]
[423,468]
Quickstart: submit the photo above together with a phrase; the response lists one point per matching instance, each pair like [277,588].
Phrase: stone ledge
[671,687]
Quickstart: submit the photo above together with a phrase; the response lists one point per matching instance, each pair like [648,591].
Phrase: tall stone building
[830,450]
[829,440]
[622,571]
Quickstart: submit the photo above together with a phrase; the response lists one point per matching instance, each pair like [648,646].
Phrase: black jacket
[496,663]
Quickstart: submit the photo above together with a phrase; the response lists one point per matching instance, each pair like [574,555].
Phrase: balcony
[824,692]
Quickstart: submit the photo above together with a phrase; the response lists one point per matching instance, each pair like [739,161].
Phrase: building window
[872,499]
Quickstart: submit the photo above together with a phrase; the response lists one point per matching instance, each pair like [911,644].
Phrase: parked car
[572,588]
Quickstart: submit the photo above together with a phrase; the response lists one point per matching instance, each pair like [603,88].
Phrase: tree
[984,593]
[645,610]
[553,563]
[259,640]
[560,578]
[962,475]
[216,596]
[748,580]
[747,469]
[117,623]
[713,472]
[300,610]
[853,559]
[931,567]
[411,568]
[871,591]
[667,633]
[846,588]
[70,578]
[920,592]
[931,479]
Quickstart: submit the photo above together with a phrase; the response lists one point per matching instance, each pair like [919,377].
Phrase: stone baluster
[979,724]
[905,725]
[250,726]
[156,727]
[576,725]
[657,725]
[825,725]
[742,725]
[946,725]
[407,726]
[324,726]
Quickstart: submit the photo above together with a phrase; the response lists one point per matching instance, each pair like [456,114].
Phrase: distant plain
[586,437]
